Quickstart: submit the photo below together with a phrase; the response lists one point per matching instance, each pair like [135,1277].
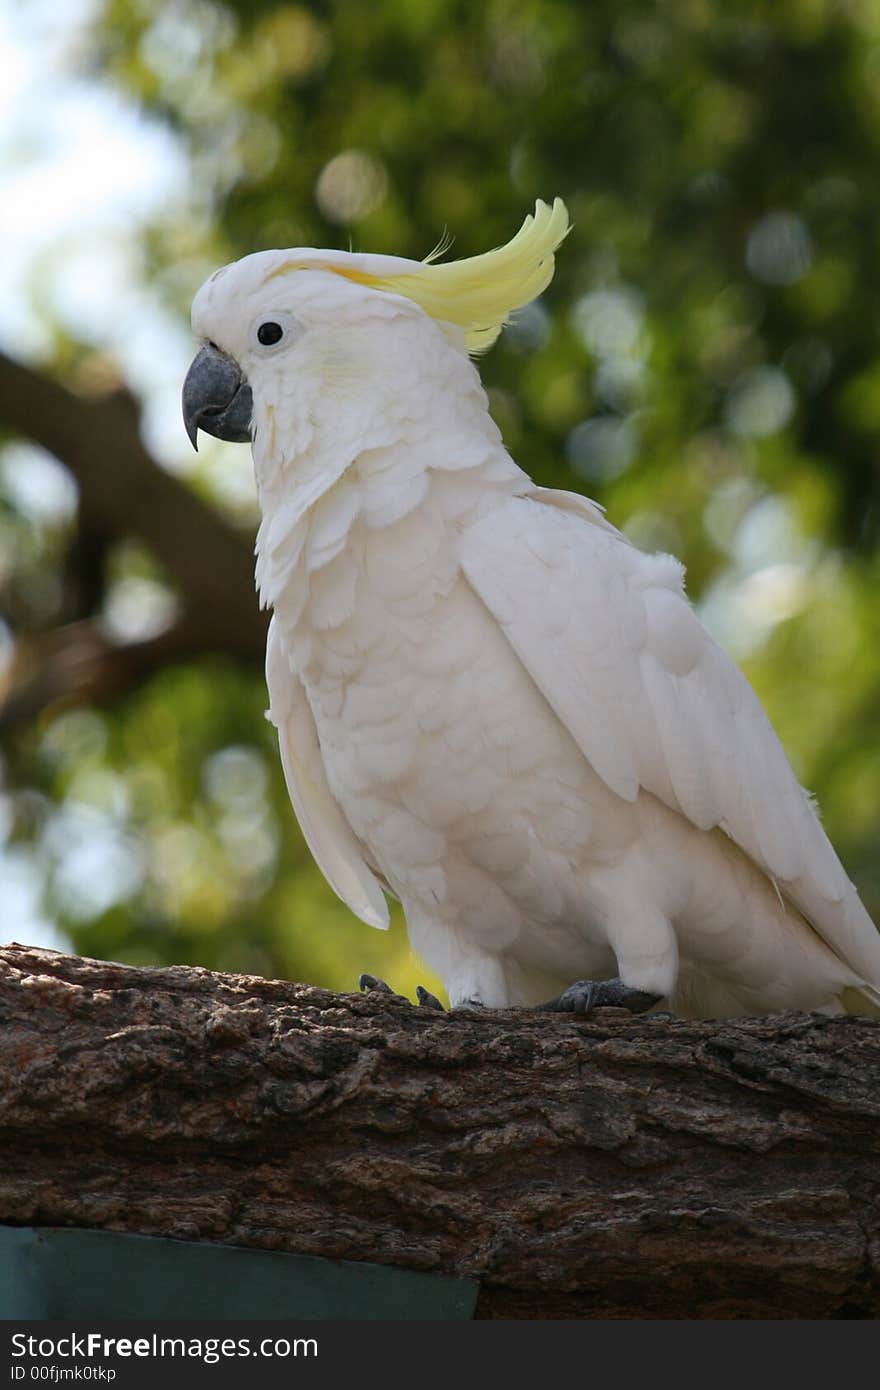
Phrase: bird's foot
[586,995]
[371,984]
[428,1000]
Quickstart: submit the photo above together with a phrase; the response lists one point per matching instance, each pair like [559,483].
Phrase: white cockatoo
[489,703]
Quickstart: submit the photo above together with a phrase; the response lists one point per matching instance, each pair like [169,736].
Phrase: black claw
[586,995]
[428,1001]
[371,984]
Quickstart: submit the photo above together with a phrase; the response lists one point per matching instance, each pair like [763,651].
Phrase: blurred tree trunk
[123,492]
[616,1168]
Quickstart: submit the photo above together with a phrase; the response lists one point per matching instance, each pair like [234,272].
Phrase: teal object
[59,1272]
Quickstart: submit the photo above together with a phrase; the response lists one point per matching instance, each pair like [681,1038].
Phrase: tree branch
[620,1167]
[77,664]
[124,492]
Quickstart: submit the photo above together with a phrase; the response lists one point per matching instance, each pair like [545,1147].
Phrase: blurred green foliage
[706,364]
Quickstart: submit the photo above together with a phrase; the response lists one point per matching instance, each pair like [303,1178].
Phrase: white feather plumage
[491,703]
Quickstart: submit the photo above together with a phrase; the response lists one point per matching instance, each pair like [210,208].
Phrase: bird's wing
[327,833]
[609,638]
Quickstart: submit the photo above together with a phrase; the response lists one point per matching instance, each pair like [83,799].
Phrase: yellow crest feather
[480,293]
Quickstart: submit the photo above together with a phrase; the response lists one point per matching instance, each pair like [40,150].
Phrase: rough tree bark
[619,1167]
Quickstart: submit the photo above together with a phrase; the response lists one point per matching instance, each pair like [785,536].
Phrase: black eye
[269,333]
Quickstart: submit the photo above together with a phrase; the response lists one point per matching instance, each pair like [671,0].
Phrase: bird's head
[302,327]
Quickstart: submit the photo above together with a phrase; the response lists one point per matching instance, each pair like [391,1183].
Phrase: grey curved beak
[216,398]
